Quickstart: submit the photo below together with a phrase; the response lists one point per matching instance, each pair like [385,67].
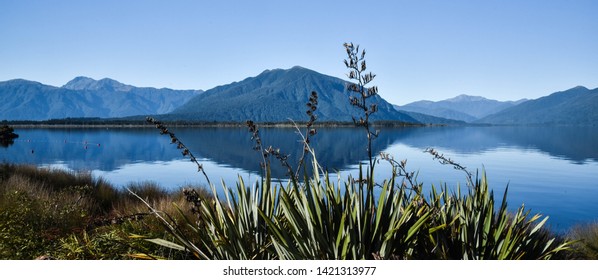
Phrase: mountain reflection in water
[336,148]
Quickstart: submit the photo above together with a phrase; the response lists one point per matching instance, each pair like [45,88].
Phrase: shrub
[7,136]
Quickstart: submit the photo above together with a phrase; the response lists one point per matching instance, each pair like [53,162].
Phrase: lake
[553,170]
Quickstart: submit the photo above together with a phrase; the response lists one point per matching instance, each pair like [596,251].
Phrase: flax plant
[321,220]
[232,227]
[471,228]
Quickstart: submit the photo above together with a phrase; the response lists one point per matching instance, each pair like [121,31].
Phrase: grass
[587,245]
[71,215]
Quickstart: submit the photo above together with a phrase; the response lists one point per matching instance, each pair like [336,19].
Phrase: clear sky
[432,50]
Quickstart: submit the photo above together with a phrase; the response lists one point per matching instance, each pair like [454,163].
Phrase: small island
[7,135]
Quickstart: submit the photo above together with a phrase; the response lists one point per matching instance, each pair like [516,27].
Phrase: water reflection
[336,148]
[573,143]
[88,149]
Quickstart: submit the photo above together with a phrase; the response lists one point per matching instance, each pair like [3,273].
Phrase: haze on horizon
[433,50]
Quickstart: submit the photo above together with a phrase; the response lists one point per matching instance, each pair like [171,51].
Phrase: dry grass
[587,245]
[73,215]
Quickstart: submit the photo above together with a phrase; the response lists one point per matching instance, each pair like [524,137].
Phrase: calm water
[553,170]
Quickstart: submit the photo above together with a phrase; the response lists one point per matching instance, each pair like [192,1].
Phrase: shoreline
[117,124]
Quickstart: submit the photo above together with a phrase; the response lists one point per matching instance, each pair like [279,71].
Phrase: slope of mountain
[578,105]
[429,119]
[279,95]
[463,107]
[85,97]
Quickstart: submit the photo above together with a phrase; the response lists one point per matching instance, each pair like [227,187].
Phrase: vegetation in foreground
[70,215]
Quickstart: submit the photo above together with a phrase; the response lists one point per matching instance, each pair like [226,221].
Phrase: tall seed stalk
[357,72]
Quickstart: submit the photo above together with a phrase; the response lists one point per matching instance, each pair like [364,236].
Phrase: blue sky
[432,50]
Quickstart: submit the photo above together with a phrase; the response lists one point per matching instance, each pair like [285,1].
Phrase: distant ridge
[429,119]
[463,107]
[575,106]
[85,97]
[85,83]
[280,95]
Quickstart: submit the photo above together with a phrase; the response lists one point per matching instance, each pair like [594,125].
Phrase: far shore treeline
[99,122]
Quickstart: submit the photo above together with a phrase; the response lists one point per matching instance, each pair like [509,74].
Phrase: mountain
[279,95]
[578,105]
[463,107]
[85,83]
[429,119]
[85,97]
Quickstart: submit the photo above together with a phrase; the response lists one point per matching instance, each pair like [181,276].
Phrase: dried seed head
[374,108]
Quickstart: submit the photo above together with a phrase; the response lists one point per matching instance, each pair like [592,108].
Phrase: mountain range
[85,97]
[578,106]
[463,107]
[575,106]
[277,95]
